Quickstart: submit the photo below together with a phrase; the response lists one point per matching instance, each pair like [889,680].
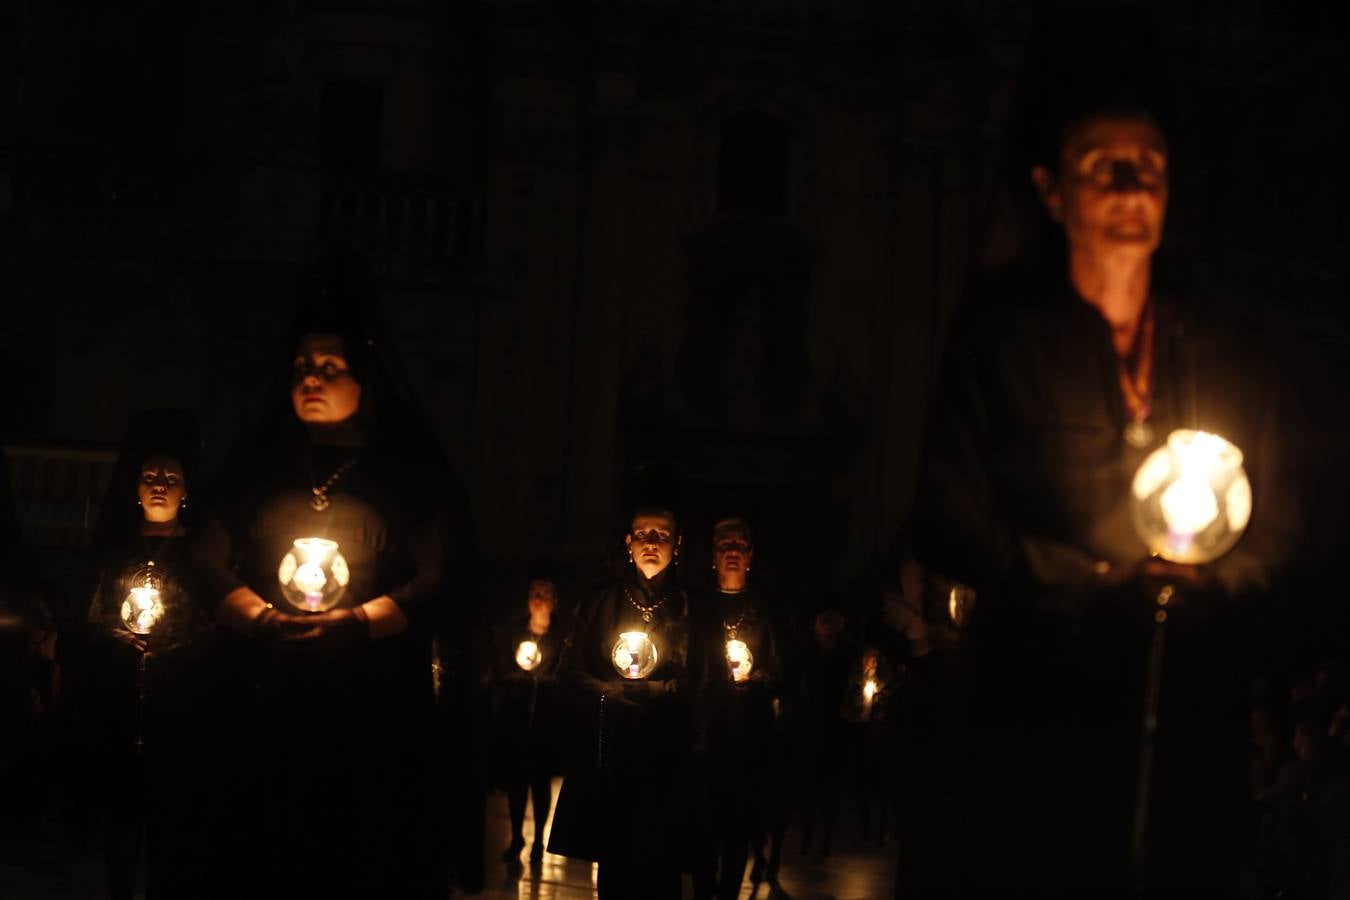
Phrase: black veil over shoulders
[336,295]
[154,432]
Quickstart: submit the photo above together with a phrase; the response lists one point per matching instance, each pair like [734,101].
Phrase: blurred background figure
[141,676]
[825,675]
[526,651]
[737,629]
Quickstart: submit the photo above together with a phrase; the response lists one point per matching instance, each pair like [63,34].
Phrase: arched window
[752,170]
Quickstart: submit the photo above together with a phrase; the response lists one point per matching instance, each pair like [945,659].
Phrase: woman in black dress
[141,681]
[626,800]
[328,554]
[526,653]
[737,634]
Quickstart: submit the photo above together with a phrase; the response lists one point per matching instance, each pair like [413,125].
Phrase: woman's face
[323,390]
[543,598]
[1110,192]
[161,489]
[731,557]
[651,543]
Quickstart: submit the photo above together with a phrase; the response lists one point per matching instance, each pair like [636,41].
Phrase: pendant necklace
[648,612]
[1136,384]
[152,554]
[319,502]
[733,628]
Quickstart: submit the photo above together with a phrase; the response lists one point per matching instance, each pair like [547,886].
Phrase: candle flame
[142,608]
[527,655]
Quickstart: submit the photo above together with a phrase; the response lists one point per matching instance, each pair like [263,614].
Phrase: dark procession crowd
[282,678]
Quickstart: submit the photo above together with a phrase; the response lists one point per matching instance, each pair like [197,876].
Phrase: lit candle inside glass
[528,656]
[634,655]
[1192,499]
[314,575]
[740,659]
[141,609]
[869,694]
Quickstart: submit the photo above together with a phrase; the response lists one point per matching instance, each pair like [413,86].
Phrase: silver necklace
[648,612]
[319,502]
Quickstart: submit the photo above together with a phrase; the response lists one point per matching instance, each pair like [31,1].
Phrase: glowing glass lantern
[314,575]
[869,694]
[960,604]
[528,656]
[740,659]
[142,608]
[634,655]
[1191,497]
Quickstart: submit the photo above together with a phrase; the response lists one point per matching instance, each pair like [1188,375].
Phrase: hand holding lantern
[1191,501]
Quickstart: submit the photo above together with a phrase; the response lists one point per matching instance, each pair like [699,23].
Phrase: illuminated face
[732,554]
[652,542]
[1110,193]
[323,390]
[162,489]
[543,598]
[828,625]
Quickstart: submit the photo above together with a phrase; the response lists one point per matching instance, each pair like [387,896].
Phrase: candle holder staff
[329,555]
[1057,386]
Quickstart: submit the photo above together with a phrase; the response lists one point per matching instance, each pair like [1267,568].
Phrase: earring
[630,555]
[182,504]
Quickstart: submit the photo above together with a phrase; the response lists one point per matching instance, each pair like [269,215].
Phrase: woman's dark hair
[733,525]
[654,510]
[336,295]
[1080,64]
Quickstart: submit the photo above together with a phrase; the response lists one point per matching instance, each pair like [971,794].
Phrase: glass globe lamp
[1191,499]
[960,604]
[634,655]
[740,660]
[314,575]
[528,656]
[142,608]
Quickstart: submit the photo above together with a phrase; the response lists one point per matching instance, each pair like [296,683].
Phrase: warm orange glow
[314,574]
[634,655]
[740,659]
[141,609]
[528,656]
[1191,497]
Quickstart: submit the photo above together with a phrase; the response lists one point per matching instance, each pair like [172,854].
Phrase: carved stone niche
[743,365]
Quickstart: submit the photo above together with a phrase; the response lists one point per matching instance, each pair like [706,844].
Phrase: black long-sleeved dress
[1025,493]
[743,756]
[336,744]
[527,714]
[627,794]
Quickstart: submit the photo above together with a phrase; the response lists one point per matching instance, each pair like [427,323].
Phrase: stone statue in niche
[743,364]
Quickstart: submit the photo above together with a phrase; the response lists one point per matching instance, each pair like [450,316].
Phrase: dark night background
[727,234]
